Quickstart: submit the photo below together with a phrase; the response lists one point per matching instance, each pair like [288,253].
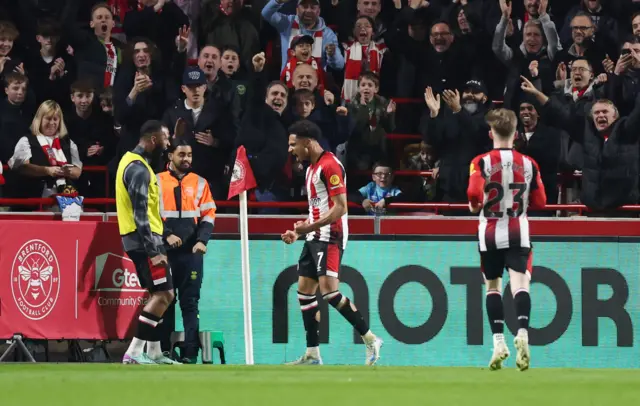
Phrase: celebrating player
[140,224]
[503,184]
[327,231]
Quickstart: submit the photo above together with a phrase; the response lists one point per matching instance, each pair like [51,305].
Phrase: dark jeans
[186,269]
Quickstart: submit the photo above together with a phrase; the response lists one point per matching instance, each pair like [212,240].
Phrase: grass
[123,385]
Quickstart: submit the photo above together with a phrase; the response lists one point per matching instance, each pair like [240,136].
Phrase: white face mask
[470,107]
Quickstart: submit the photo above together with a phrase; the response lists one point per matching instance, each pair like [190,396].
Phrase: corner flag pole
[246,278]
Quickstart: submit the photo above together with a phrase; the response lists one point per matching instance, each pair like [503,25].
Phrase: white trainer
[500,354]
[373,351]
[306,359]
[523,355]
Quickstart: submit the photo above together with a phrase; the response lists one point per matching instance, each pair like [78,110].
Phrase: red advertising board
[64,280]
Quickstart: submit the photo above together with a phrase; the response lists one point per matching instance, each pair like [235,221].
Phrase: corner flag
[242,178]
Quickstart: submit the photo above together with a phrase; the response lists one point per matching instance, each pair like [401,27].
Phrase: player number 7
[320,256]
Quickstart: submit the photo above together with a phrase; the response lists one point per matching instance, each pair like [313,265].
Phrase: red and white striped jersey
[505,183]
[325,179]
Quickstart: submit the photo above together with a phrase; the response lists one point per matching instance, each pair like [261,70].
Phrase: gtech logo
[115,273]
[35,279]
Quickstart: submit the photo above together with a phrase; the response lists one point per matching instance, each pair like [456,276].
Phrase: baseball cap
[477,85]
[313,1]
[301,39]
[194,76]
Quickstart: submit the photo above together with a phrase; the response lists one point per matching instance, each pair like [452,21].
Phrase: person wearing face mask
[611,152]
[263,133]
[458,133]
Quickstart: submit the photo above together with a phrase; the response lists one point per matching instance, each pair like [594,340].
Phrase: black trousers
[186,268]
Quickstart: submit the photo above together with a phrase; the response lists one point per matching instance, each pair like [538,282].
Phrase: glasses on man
[382,174]
[580,69]
[580,28]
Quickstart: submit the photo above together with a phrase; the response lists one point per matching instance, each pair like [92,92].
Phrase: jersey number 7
[495,200]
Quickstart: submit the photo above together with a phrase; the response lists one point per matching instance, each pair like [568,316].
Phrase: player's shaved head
[503,123]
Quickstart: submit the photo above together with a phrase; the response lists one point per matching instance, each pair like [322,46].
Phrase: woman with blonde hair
[46,158]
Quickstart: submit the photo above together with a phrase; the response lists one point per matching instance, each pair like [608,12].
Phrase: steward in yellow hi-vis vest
[138,204]
[188,212]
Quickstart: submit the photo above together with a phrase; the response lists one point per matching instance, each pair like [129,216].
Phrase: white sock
[523,332]
[313,352]
[154,350]
[498,338]
[136,347]
[368,337]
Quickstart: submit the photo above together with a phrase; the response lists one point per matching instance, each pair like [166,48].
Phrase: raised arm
[499,45]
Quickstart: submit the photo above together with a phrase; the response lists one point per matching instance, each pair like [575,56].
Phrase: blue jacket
[283,24]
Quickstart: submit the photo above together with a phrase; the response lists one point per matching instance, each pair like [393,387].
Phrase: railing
[435,208]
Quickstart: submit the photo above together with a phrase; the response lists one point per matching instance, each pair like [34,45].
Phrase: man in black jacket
[208,130]
[458,133]
[264,134]
[611,155]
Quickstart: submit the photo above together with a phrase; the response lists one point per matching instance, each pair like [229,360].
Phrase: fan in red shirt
[503,184]
[327,231]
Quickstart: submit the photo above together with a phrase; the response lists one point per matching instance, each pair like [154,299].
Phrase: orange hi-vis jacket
[186,207]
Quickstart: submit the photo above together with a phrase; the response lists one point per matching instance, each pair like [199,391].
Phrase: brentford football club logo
[35,279]
[238,172]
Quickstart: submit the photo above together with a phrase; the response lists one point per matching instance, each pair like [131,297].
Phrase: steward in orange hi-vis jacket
[188,212]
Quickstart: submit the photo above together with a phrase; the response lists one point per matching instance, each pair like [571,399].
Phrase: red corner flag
[242,178]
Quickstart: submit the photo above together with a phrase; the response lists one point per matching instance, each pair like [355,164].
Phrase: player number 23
[494,200]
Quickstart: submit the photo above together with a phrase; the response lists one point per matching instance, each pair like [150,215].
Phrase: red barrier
[80,286]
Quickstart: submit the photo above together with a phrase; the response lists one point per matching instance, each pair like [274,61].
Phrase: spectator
[92,131]
[611,151]
[230,66]
[585,44]
[374,117]
[540,43]
[207,129]
[160,22]
[141,92]
[219,86]
[51,69]
[16,112]
[625,80]
[380,192]
[361,55]
[264,135]
[8,60]
[458,133]
[582,88]
[423,160]
[46,158]
[335,124]
[191,8]
[97,54]
[306,22]
[223,22]
[543,144]
[347,13]
[603,23]
[301,49]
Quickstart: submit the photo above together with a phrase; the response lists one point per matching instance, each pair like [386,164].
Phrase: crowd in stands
[80,77]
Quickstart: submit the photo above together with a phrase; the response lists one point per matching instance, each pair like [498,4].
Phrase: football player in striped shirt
[326,231]
[503,184]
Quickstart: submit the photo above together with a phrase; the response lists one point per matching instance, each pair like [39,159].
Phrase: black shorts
[494,262]
[320,259]
[152,278]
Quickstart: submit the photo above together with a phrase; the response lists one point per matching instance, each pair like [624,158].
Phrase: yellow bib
[126,223]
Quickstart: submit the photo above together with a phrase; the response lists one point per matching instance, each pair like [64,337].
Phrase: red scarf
[355,55]
[287,73]
[52,150]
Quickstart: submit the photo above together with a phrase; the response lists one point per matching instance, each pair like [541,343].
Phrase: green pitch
[124,385]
